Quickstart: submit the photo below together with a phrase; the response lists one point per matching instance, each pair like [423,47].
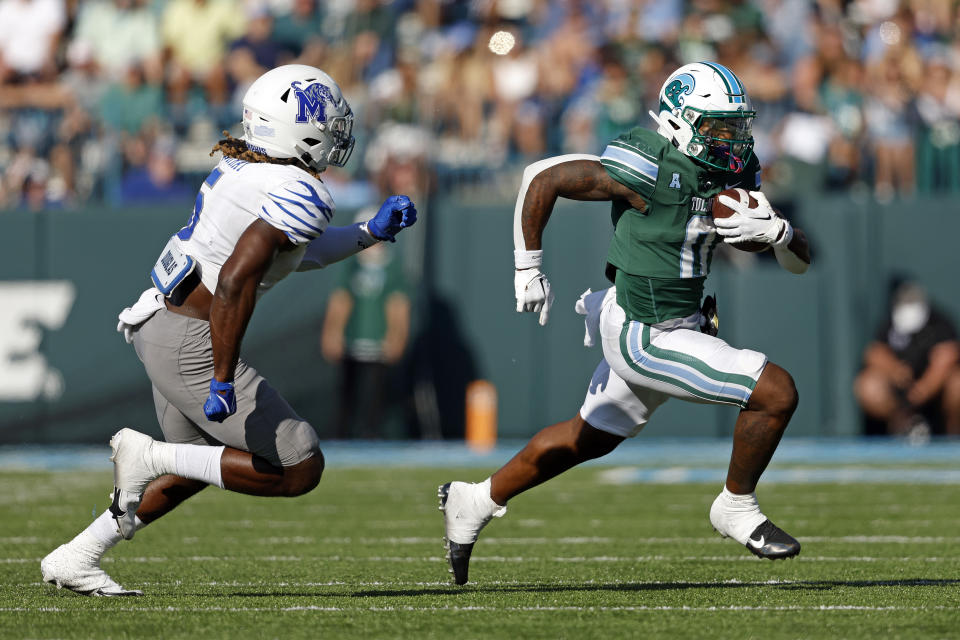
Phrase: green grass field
[361,557]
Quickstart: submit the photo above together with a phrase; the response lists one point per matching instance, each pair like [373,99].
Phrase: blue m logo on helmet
[311,101]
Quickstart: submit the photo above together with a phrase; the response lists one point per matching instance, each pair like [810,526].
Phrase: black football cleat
[467,508]
[770,541]
[458,555]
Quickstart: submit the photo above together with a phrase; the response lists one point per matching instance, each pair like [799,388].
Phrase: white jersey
[234,195]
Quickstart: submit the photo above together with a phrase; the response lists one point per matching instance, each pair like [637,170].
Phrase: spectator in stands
[369,27]
[196,34]
[30,31]
[302,29]
[131,102]
[894,70]
[120,34]
[157,182]
[40,192]
[841,97]
[910,382]
[254,52]
[516,76]
[938,142]
[618,97]
[265,50]
[873,82]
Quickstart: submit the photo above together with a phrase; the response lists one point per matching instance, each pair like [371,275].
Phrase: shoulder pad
[301,208]
[633,159]
[645,140]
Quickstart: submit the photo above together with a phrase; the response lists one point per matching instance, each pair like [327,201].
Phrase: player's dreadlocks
[237,148]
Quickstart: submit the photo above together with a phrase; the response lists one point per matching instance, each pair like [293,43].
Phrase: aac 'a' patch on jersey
[300,209]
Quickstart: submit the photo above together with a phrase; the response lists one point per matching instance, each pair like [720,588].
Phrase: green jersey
[660,257]
[370,283]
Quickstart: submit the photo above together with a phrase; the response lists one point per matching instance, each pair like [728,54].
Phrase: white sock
[191,461]
[742,513]
[102,534]
[486,503]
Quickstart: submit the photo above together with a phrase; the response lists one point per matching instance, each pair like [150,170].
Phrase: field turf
[361,557]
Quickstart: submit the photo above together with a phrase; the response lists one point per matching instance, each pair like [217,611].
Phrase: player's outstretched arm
[575,177]
[338,243]
[232,306]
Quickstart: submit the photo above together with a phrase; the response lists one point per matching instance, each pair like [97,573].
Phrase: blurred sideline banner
[67,376]
[84,380]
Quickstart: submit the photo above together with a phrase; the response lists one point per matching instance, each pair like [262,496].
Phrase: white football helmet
[298,111]
[706,113]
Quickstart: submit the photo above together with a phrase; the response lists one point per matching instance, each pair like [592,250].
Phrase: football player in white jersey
[261,213]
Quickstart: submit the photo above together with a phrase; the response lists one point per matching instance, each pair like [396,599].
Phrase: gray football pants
[178,356]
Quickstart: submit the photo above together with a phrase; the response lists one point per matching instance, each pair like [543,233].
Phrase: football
[721,210]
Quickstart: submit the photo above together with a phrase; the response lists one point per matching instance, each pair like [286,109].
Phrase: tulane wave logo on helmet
[311,101]
[682,85]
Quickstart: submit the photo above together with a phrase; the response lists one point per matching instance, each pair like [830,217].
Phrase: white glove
[533,292]
[761,224]
[126,330]
[149,303]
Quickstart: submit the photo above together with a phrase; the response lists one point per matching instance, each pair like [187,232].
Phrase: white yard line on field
[481,608]
[547,540]
[532,584]
[482,558]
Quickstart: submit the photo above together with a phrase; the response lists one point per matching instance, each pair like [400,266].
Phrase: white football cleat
[467,508]
[70,568]
[132,472]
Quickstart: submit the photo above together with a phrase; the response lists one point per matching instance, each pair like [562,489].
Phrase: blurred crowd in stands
[120,101]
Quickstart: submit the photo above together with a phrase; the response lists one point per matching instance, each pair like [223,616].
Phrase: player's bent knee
[592,442]
[304,476]
[778,392]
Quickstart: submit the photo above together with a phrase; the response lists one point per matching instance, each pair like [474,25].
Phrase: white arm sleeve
[528,175]
[789,260]
[335,244]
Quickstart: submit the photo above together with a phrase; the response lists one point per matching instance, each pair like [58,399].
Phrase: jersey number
[187,231]
[697,247]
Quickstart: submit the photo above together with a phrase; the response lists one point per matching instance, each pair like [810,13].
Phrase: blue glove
[222,401]
[396,213]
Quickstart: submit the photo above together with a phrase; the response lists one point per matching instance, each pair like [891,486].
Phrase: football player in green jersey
[657,343]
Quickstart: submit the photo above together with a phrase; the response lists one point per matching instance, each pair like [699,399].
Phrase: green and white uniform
[661,256]
[659,259]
